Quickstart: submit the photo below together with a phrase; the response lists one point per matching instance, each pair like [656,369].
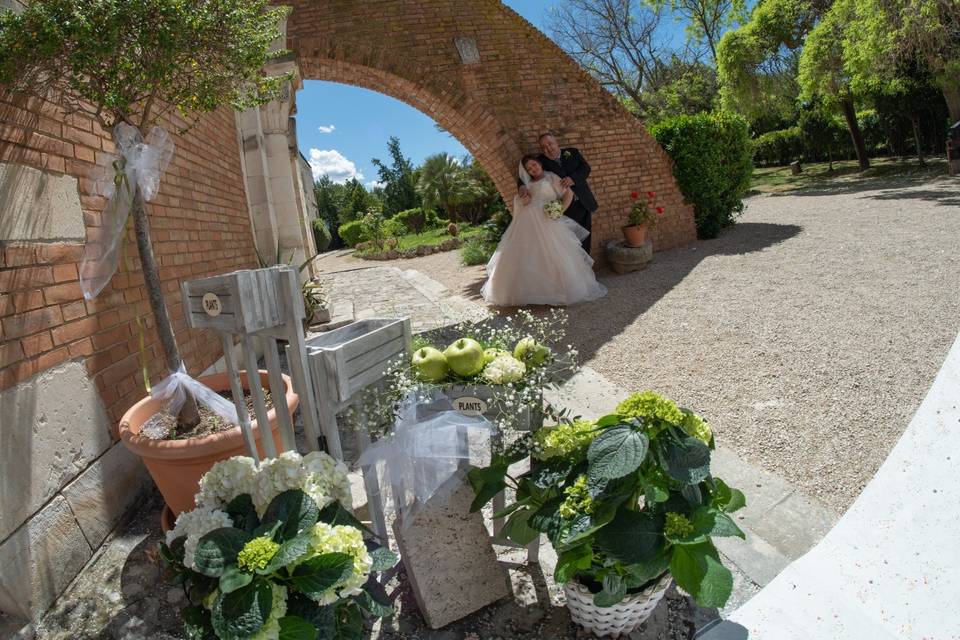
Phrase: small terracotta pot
[635,235]
[176,466]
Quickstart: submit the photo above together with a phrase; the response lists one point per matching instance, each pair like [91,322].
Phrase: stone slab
[39,205]
[40,559]
[51,428]
[103,493]
[448,557]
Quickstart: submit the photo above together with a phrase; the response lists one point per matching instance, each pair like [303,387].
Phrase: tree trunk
[915,121]
[850,115]
[189,415]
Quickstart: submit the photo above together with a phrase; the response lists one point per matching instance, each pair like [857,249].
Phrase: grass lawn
[431,237]
[779,179]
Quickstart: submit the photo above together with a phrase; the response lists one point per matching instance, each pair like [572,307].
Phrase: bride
[540,260]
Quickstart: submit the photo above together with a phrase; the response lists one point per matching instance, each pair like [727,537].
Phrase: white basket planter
[621,618]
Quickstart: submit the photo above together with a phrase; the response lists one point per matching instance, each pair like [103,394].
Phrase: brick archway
[495,83]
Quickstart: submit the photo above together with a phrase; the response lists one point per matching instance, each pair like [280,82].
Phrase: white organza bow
[139,163]
[172,391]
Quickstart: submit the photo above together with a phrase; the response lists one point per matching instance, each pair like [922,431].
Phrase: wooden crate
[241,302]
[466,399]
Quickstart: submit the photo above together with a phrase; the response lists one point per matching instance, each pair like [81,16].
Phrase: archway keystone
[494,82]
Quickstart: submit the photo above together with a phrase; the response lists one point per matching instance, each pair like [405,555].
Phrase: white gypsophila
[194,525]
[226,480]
[342,539]
[504,369]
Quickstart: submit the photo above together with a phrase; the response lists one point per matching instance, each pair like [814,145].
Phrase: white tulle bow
[172,391]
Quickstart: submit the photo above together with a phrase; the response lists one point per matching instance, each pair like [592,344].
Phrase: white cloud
[374,184]
[331,162]
[326,129]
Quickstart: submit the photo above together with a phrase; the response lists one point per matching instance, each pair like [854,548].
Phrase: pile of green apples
[466,358]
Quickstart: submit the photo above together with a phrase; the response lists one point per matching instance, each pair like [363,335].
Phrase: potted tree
[130,65]
[641,218]
[628,503]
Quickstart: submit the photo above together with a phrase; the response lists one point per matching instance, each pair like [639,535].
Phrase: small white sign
[470,406]
[211,304]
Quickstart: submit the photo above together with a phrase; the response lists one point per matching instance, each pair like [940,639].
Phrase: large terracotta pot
[176,466]
[635,235]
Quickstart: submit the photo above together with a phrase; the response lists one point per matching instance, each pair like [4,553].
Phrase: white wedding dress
[539,260]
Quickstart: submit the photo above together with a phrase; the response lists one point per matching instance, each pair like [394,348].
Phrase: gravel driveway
[807,334]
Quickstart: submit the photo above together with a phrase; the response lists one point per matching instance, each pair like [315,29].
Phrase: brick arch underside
[465,120]
[522,85]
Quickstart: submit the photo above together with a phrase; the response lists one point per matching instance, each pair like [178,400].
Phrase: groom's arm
[578,170]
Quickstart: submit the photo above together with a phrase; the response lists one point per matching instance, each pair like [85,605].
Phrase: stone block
[40,560]
[624,259]
[38,205]
[51,428]
[103,493]
[448,556]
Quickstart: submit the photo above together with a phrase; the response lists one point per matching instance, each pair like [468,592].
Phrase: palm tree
[444,184]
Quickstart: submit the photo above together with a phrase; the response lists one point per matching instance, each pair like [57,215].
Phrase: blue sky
[340,127]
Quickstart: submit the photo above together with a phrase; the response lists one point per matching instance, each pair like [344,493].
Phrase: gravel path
[807,334]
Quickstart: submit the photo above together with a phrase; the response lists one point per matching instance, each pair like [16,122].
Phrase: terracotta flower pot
[635,235]
[176,466]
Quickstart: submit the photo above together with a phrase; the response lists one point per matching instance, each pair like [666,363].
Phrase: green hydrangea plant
[622,499]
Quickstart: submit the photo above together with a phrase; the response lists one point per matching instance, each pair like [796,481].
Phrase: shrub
[321,235]
[712,162]
[353,232]
[779,147]
[477,251]
[416,220]
[393,228]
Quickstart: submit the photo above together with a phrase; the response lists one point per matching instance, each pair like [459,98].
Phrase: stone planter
[620,619]
[176,466]
[624,259]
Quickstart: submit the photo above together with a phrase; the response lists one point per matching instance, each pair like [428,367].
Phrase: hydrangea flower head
[257,553]
[194,525]
[677,525]
[341,539]
[648,404]
[226,480]
[504,369]
[694,425]
[578,499]
[563,440]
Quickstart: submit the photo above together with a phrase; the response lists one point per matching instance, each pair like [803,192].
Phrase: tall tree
[706,19]
[823,72]
[444,184]
[398,179]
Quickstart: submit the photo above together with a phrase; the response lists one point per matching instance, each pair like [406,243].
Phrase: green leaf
[196,623]
[218,549]
[584,526]
[578,558]
[692,494]
[374,599]
[296,628]
[725,526]
[617,452]
[295,510]
[321,572]
[383,559]
[267,530]
[609,420]
[643,572]
[349,621]
[321,617]
[486,482]
[334,514]
[243,612]
[243,513]
[518,530]
[688,460]
[698,571]
[614,590]
[631,536]
[234,578]
[288,553]
[550,474]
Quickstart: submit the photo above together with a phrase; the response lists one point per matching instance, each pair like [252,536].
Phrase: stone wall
[69,368]
[495,82]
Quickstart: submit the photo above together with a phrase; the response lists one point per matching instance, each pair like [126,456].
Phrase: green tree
[706,19]
[135,61]
[399,180]
[682,87]
[445,184]
[824,73]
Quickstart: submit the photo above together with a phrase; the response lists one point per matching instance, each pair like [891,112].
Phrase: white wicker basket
[621,618]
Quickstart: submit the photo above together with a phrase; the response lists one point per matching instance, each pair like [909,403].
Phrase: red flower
[634,195]
[651,194]
[660,210]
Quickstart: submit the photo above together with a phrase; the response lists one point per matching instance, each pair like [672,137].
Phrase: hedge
[417,220]
[712,162]
[321,234]
[779,147]
[353,232]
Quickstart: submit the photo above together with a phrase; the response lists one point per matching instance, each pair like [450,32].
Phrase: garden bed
[417,244]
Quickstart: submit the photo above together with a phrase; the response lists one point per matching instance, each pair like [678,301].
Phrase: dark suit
[573,165]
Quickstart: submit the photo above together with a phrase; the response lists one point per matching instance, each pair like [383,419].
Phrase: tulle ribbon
[172,391]
[139,163]
[430,443]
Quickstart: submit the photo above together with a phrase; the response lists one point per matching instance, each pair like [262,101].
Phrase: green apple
[531,352]
[492,353]
[430,364]
[465,357]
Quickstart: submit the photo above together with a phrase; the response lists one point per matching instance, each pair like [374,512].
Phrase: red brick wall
[524,85]
[200,226]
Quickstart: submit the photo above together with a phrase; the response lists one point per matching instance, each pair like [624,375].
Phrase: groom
[573,170]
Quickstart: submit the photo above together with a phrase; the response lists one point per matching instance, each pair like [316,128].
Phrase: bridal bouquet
[554,209]
[272,552]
